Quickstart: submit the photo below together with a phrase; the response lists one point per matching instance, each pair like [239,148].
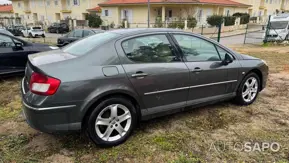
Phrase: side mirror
[18,46]
[228,59]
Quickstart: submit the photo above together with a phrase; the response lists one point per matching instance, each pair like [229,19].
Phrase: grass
[186,137]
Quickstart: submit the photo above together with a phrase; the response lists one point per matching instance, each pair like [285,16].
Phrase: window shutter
[102,12]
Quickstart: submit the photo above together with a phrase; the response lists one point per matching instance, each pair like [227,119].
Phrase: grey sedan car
[106,83]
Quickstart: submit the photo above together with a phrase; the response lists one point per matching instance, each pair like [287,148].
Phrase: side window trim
[166,34]
[234,58]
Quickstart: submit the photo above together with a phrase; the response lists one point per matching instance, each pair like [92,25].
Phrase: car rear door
[12,59]
[208,75]
[155,70]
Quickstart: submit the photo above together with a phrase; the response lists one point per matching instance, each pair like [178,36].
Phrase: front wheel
[112,122]
[248,89]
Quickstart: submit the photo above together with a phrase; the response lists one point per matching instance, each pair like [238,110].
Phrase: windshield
[36,27]
[81,47]
[279,25]
[6,32]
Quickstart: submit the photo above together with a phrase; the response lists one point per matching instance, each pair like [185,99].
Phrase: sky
[4,1]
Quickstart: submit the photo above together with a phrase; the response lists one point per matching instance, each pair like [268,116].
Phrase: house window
[106,13]
[19,5]
[48,2]
[56,2]
[271,1]
[75,2]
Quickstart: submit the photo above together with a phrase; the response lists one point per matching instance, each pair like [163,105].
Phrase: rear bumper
[50,119]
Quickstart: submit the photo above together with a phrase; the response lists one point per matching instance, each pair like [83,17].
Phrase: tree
[93,20]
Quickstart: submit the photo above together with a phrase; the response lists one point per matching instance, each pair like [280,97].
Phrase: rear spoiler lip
[35,68]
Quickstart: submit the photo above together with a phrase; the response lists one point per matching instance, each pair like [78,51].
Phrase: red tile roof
[97,9]
[6,8]
[213,2]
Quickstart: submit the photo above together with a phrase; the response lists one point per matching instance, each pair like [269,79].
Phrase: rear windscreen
[36,27]
[85,45]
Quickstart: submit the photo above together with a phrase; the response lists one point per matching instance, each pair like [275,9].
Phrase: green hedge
[229,20]
[215,20]
[244,17]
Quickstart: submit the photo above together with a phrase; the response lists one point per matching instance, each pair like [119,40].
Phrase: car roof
[130,31]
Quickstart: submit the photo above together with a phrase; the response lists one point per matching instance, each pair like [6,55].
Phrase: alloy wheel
[250,89]
[113,122]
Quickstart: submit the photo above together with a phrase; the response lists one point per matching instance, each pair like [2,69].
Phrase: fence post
[267,30]
[219,32]
[186,24]
[246,34]
[202,30]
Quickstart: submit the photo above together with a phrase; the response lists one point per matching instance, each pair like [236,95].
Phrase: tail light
[43,85]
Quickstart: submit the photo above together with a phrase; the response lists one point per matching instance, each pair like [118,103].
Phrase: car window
[36,27]
[77,33]
[6,42]
[196,49]
[222,53]
[88,43]
[87,33]
[70,34]
[149,49]
[6,32]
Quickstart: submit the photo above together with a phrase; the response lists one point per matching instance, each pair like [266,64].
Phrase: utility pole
[148,13]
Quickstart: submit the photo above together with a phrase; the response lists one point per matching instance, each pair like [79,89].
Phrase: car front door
[208,75]
[13,55]
[155,70]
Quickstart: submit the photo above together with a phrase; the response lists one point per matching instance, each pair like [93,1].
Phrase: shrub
[215,20]
[158,22]
[181,24]
[244,17]
[112,25]
[93,20]
[192,22]
[229,20]
[173,25]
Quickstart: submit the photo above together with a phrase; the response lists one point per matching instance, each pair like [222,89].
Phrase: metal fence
[267,32]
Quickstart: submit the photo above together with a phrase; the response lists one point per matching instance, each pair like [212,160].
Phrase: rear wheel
[43,35]
[112,122]
[248,90]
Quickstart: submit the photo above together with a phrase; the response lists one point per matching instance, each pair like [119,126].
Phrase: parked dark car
[14,52]
[58,28]
[76,35]
[106,83]
[5,32]
[16,29]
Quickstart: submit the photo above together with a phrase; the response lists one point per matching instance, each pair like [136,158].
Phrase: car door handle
[197,69]
[139,75]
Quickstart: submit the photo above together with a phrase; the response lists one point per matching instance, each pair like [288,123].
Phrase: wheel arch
[260,75]
[89,107]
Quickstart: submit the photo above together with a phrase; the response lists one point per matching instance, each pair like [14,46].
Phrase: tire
[43,36]
[125,120]
[247,95]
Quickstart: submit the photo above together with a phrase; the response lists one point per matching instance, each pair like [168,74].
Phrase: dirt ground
[222,132]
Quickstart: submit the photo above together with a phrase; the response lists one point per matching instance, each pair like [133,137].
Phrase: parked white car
[33,32]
